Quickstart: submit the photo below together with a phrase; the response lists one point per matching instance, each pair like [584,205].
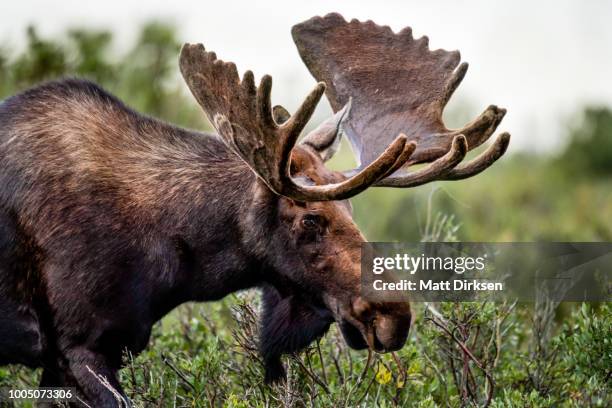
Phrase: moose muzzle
[382,327]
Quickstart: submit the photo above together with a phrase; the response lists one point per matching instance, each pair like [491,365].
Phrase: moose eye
[312,222]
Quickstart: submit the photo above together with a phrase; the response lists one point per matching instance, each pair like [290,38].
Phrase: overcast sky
[542,60]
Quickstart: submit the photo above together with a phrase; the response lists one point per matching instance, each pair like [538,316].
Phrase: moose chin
[109,219]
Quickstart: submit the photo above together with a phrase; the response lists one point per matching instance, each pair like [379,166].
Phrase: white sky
[542,60]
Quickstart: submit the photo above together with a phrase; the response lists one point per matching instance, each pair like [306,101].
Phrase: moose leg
[94,323]
[95,379]
[288,325]
[52,376]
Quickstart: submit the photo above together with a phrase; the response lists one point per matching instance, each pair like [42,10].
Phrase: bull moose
[109,219]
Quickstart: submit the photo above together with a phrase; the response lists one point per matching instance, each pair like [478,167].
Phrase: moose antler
[397,86]
[244,118]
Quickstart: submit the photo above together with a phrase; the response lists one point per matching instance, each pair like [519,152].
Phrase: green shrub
[589,151]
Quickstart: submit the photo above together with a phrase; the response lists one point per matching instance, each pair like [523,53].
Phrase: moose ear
[288,325]
[325,139]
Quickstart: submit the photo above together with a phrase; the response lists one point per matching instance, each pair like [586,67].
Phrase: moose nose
[385,326]
[391,332]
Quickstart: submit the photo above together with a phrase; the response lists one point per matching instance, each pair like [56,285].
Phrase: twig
[121,400]
[178,372]
[400,366]
[337,364]
[365,369]
[321,360]
[83,402]
[471,356]
[360,378]
[311,374]
[365,393]
[439,374]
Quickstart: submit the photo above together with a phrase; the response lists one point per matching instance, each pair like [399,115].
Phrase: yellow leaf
[414,368]
[383,376]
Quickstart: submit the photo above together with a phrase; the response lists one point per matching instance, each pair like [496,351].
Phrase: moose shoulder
[109,219]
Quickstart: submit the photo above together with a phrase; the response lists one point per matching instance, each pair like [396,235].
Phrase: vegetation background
[470,354]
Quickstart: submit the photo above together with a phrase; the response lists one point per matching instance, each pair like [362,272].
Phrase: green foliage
[518,199]
[152,68]
[199,358]
[589,151]
[91,49]
[586,343]
[145,77]
[43,60]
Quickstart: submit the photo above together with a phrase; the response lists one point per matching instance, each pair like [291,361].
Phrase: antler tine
[290,130]
[264,103]
[395,155]
[482,161]
[244,118]
[453,83]
[433,171]
[480,129]
[403,159]
[300,118]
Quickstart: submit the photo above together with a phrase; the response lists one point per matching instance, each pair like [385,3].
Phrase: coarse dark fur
[289,325]
[110,219]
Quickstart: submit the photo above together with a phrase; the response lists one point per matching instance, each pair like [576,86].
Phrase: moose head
[388,92]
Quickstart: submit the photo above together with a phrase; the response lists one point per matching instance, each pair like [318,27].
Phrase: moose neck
[204,205]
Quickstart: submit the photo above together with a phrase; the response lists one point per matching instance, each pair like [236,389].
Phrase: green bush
[589,151]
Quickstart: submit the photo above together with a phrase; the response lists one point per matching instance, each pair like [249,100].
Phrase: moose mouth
[352,335]
[358,340]
[383,329]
